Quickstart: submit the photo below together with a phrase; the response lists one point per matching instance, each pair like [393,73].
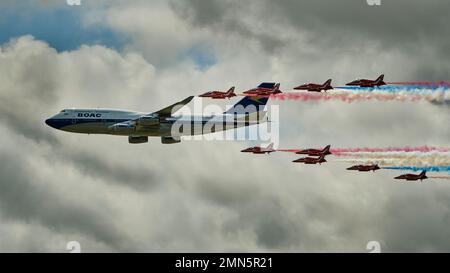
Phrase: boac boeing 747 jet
[139,126]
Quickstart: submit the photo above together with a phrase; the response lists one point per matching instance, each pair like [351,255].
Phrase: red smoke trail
[344,151]
[422,149]
[440,177]
[348,97]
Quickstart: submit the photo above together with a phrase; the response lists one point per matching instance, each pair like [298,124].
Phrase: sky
[202,196]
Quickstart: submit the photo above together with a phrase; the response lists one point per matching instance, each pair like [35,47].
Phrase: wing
[155,117]
[167,112]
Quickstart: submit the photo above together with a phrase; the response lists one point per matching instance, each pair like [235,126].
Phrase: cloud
[26,197]
[429,233]
[36,88]
[325,32]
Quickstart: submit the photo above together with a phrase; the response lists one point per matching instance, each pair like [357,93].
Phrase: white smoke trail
[350,96]
[419,161]
[393,154]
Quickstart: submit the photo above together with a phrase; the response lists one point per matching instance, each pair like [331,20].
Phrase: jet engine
[148,120]
[170,140]
[123,128]
[137,139]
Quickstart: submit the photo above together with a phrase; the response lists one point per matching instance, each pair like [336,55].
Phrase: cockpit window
[63,111]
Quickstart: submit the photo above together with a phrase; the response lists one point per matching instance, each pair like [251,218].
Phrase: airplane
[164,123]
[219,94]
[260,150]
[364,168]
[314,87]
[413,177]
[264,89]
[368,83]
[315,152]
[311,160]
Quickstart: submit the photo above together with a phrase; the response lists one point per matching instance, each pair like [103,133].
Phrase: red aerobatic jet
[219,94]
[311,160]
[364,168]
[259,150]
[315,152]
[314,87]
[264,89]
[413,177]
[368,83]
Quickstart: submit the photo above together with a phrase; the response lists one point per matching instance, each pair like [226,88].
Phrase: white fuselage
[104,121]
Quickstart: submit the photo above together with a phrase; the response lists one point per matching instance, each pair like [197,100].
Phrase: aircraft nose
[51,122]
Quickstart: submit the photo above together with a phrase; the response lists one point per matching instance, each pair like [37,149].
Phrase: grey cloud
[20,105]
[262,213]
[224,17]
[127,174]
[394,21]
[25,198]
[421,229]
[274,227]
[335,28]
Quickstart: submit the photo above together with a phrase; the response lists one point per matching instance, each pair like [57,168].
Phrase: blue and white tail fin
[250,109]
[248,105]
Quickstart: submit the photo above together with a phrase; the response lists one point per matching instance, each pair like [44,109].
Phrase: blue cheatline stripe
[60,123]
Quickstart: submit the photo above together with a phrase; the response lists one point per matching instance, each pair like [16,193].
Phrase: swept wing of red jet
[219,94]
[314,87]
[364,168]
[311,160]
[368,83]
[315,152]
[413,177]
[260,150]
[264,89]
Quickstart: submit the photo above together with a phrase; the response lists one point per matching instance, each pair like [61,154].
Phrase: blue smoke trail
[425,168]
[398,88]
